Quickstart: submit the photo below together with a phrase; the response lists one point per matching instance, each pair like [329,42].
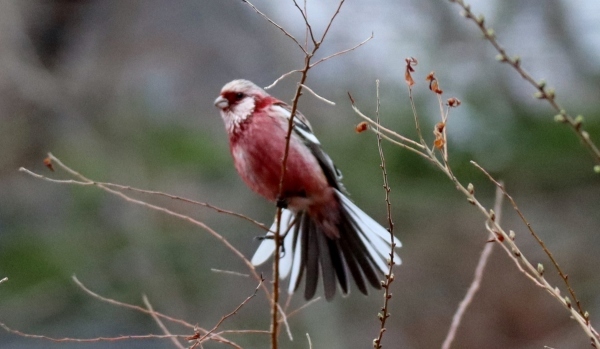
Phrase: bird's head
[238,100]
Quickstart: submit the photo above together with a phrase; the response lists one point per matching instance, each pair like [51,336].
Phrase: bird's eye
[239,96]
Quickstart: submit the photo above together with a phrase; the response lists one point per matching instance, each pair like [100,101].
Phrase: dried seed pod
[361,127]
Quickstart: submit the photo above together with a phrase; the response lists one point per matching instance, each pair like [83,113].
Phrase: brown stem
[542,91]
[389,277]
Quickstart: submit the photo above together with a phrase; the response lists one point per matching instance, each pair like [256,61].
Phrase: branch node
[540,269]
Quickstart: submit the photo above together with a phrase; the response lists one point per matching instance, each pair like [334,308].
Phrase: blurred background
[123,92]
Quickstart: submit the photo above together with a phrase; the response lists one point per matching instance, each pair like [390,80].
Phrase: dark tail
[361,251]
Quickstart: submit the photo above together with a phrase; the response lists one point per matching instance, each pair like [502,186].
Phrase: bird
[325,235]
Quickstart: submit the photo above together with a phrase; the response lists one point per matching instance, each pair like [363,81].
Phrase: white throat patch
[233,117]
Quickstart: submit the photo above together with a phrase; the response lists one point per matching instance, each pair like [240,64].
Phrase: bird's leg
[283,235]
[282,203]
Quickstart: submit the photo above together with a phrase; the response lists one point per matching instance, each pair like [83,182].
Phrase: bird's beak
[221,102]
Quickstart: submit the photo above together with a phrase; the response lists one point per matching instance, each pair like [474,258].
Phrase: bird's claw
[264,237]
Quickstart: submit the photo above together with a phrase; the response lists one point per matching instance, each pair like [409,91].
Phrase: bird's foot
[282,203]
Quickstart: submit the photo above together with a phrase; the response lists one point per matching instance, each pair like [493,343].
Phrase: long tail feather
[362,250]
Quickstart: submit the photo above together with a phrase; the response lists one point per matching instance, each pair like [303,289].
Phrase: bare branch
[330,23]
[225,317]
[282,77]
[307,24]
[303,306]
[283,320]
[163,210]
[316,95]
[562,274]
[229,272]
[319,61]
[190,201]
[342,52]
[244,332]
[389,277]
[88,340]
[143,191]
[379,128]
[506,240]
[470,295]
[276,25]
[130,306]
[153,313]
[543,93]
[160,323]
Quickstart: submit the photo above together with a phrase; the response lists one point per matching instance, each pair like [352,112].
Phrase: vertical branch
[444,134]
[160,324]
[275,293]
[561,273]
[308,56]
[507,239]
[481,264]
[277,235]
[389,277]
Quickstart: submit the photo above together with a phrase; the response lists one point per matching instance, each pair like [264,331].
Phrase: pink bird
[327,234]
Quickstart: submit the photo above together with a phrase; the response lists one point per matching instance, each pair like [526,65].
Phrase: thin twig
[303,306]
[276,25]
[319,97]
[160,209]
[400,144]
[234,312]
[153,313]
[230,272]
[243,332]
[500,235]
[337,11]
[107,339]
[130,306]
[308,28]
[277,235]
[563,276]
[512,253]
[389,277]
[342,52]
[294,107]
[416,119]
[444,133]
[379,128]
[307,24]
[89,340]
[312,65]
[190,201]
[283,320]
[282,77]
[543,92]
[160,323]
[475,284]
[537,274]
[150,192]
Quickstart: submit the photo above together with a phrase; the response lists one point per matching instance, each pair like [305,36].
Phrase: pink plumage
[328,234]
